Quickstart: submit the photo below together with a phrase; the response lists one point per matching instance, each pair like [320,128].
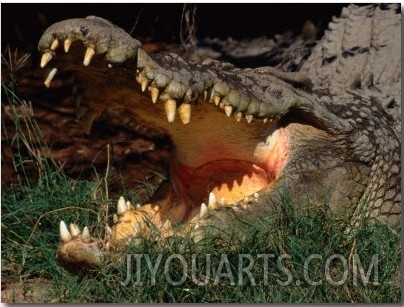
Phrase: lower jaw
[230,181]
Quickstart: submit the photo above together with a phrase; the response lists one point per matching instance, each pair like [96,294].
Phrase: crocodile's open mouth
[216,160]
[221,156]
[228,146]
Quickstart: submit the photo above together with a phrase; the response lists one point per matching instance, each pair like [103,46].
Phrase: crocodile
[329,131]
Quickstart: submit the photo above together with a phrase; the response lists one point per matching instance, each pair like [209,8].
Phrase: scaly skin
[240,136]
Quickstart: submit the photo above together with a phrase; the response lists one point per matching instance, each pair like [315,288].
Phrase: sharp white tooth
[54,45]
[50,76]
[65,235]
[138,206]
[212,203]
[143,81]
[88,56]
[216,99]
[204,210]
[115,218]
[244,203]
[170,106]
[86,237]
[67,43]
[74,230]
[249,118]
[46,57]
[234,204]
[129,205]
[223,201]
[239,115]
[121,205]
[154,92]
[144,84]
[271,120]
[212,95]
[205,95]
[184,111]
[265,120]
[228,110]
[196,227]
[256,196]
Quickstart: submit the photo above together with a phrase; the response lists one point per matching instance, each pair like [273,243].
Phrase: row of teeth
[67,234]
[213,204]
[48,56]
[184,110]
[170,105]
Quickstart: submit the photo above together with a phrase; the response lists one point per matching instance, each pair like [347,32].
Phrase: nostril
[84,31]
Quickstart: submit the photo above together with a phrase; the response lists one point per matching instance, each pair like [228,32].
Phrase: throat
[233,161]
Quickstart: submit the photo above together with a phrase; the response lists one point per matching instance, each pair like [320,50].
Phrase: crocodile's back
[361,53]
[364,40]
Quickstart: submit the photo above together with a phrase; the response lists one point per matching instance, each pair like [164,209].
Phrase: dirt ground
[134,152]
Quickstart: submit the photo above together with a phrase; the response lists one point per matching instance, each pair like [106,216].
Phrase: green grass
[32,209]
[30,238]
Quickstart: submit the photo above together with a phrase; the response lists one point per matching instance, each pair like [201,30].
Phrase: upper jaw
[249,94]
